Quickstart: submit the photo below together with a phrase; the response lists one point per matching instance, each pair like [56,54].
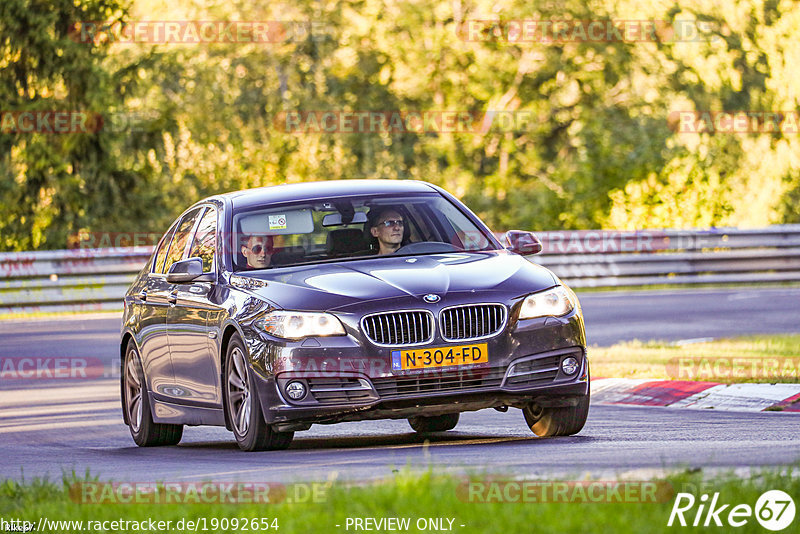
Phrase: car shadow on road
[393,440]
[410,439]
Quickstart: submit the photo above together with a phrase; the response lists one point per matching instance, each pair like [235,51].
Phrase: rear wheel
[243,407]
[436,423]
[136,403]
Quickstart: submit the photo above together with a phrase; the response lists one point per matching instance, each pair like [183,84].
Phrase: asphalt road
[615,441]
[52,426]
[689,314]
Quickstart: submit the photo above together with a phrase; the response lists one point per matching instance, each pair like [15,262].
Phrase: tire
[557,421]
[243,407]
[436,423]
[136,403]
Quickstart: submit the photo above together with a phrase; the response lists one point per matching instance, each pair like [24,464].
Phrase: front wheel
[557,421]
[243,407]
[436,423]
[136,403]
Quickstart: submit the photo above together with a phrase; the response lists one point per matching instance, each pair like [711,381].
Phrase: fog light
[296,390]
[569,366]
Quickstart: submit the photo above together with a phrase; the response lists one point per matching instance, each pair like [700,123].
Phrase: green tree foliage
[601,148]
[53,185]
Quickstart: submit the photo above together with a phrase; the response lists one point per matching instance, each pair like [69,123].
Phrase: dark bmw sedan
[269,310]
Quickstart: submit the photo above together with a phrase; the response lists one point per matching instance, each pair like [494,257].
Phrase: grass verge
[417,498]
[774,358]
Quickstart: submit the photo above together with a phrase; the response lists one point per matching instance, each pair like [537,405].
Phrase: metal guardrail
[96,279]
[68,280]
[672,257]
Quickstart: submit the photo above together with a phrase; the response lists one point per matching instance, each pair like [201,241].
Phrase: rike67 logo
[774,510]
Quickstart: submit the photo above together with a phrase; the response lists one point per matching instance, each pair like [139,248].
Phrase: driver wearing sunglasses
[257,250]
[387,228]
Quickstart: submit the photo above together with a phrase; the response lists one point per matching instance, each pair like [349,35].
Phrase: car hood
[335,285]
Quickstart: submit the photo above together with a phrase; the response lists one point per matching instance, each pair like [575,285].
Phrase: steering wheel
[427,247]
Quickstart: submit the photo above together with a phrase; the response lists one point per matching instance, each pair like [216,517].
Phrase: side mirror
[185,270]
[523,243]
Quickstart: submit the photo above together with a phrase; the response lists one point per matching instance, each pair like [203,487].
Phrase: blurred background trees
[198,119]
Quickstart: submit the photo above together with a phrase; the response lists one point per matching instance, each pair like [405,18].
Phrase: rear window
[162,248]
[205,239]
[179,240]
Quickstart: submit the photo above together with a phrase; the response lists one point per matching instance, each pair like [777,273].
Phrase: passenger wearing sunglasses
[258,251]
[387,228]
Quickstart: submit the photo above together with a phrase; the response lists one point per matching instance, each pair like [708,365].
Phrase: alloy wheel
[133,392]
[238,392]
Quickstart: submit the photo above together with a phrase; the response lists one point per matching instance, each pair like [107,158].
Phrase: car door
[197,369]
[161,295]
[151,301]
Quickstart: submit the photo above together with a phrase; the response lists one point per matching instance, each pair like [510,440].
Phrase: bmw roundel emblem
[431,298]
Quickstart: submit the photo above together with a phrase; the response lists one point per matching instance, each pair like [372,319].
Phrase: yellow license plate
[427,357]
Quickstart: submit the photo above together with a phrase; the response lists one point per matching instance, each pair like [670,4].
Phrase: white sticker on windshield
[277,222]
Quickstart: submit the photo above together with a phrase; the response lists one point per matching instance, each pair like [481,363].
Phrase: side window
[162,249]
[179,240]
[205,240]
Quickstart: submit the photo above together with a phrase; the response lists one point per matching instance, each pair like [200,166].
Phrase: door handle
[173,297]
[142,295]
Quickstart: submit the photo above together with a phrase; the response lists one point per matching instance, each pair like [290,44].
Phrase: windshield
[337,229]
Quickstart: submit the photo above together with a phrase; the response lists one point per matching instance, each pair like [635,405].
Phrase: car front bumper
[348,380]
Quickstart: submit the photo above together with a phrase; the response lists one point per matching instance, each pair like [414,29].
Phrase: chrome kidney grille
[411,327]
[472,321]
[415,327]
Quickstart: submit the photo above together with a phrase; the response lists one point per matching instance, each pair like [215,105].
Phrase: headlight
[297,325]
[551,303]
